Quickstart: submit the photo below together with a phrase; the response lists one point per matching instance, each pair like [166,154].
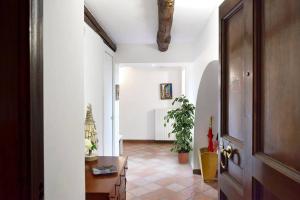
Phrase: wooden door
[236,19]
[21,101]
[260,109]
[276,142]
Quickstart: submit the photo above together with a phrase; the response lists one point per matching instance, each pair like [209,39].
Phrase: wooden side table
[106,187]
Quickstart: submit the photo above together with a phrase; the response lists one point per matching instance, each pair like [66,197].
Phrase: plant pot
[183,158]
[209,164]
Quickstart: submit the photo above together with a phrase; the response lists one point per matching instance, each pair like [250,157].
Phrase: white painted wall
[206,50]
[98,87]
[108,104]
[148,53]
[207,105]
[93,79]
[140,95]
[63,100]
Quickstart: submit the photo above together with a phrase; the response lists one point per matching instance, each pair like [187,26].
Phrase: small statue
[91,141]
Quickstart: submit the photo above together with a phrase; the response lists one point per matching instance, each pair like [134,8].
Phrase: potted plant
[182,121]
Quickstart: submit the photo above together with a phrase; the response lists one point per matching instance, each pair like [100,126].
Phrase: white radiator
[161,132]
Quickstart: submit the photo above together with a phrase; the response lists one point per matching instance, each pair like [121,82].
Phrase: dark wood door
[260,109]
[236,107]
[276,144]
[21,100]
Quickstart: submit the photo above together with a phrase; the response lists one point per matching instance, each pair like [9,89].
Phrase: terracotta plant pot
[183,158]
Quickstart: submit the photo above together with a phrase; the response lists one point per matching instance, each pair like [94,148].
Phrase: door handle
[226,154]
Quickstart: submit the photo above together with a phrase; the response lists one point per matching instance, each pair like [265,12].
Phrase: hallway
[154,174]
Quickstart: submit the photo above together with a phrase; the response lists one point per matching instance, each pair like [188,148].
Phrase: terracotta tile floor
[154,174]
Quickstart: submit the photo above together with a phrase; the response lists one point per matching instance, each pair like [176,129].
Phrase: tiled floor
[154,174]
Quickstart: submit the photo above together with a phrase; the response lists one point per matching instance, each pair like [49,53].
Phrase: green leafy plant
[182,121]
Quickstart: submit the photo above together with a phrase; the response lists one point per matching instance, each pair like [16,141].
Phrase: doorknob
[226,155]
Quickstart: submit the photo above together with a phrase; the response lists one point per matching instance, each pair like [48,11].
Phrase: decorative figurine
[91,141]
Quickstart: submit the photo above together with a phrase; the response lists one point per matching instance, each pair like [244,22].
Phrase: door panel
[235,70]
[279,78]
[276,159]
[264,193]
[277,179]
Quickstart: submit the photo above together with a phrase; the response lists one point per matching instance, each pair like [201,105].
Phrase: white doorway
[108,105]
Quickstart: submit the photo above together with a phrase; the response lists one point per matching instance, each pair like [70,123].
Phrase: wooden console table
[106,187]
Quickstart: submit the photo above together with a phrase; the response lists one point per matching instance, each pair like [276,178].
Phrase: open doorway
[153,170]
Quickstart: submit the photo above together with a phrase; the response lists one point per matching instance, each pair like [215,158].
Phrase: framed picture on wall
[166,91]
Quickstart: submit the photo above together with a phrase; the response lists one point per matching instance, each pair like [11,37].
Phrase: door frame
[21,101]
[36,100]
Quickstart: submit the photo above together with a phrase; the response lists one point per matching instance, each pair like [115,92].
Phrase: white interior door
[108,105]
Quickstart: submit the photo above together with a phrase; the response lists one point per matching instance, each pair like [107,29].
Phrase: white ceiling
[136,21]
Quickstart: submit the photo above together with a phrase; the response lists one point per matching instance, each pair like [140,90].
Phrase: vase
[209,164]
[91,157]
[183,158]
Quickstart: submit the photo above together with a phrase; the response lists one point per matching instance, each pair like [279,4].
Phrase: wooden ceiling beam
[165,19]
[92,22]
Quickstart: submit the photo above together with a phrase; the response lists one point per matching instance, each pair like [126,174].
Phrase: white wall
[140,95]
[207,105]
[95,90]
[206,50]
[63,100]
[108,104]
[149,53]
[194,57]
[93,79]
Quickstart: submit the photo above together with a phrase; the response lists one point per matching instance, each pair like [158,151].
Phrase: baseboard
[147,141]
[197,171]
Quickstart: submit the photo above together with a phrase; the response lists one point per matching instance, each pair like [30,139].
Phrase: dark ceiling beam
[92,22]
[165,19]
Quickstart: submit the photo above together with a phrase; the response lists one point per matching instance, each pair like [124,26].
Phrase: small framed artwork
[166,91]
[117,92]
